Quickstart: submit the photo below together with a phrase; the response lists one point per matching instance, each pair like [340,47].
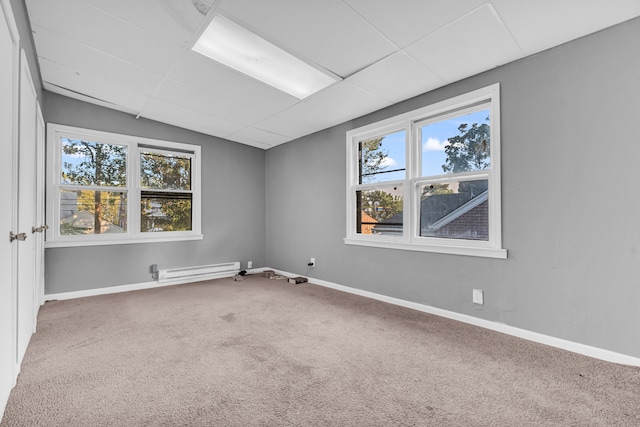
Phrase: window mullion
[468,176]
[134,182]
[72,187]
[413,157]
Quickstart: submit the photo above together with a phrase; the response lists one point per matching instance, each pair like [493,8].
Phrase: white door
[27,190]
[8,211]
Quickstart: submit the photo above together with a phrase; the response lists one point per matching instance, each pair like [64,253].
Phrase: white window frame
[411,122]
[135,145]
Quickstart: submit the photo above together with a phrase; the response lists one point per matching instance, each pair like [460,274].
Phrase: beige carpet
[266,353]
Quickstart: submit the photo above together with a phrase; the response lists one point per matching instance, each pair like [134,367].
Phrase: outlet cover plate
[478,296]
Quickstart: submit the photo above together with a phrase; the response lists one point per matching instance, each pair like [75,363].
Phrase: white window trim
[410,239]
[133,143]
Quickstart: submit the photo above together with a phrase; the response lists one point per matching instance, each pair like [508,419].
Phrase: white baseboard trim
[133,287]
[586,350]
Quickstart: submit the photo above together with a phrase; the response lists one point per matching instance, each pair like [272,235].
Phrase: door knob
[20,236]
[39,229]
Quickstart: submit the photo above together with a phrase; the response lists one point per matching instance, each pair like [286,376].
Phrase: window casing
[429,180]
[106,188]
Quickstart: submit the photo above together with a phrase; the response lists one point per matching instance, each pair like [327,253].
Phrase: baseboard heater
[201,272]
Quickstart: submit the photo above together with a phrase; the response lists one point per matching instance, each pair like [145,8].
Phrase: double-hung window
[429,180]
[106,188]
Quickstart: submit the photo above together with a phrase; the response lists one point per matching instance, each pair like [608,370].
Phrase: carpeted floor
[266,353]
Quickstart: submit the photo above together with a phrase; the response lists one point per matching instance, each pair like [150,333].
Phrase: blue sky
[434,140]
[74,160]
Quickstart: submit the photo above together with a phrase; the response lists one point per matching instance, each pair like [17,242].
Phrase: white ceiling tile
[216,79]
[118,97]
[174,21]
[49,12]
[405,21]
[542,24]
[475,43]
[284,127]
[249,141]
[121,53]
[260,136]
[199,100]
[84,60]
[76,95]
[396,78]
[310,116]
[88,26]
[189,119]
[347,101]
[329,32]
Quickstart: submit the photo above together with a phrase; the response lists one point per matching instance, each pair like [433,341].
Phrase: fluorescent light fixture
[236,47]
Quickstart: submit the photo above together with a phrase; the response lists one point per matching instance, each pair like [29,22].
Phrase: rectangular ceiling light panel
[236,47]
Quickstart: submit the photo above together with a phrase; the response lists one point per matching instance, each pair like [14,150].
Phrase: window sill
[75,243]
[452,250]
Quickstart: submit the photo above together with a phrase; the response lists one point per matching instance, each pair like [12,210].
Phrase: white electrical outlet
[478,296]
[250,264]
[312,262]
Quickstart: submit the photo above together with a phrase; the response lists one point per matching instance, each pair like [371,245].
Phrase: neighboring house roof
[436,212]
[393,224]
[449,208]
[84,220]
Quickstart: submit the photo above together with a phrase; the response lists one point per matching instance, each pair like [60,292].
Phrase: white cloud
[434,144]
[388,161]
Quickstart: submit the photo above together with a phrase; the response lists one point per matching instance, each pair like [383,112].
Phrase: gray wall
[571,208]
[233,204]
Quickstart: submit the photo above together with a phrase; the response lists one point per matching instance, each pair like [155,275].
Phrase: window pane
[93,163]
[382,158]
[455,210]
[458,144]
[379,211]
[164,171]
[165,211]
[92,212]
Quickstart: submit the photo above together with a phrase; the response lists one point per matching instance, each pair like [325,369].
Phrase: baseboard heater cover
[200,272]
